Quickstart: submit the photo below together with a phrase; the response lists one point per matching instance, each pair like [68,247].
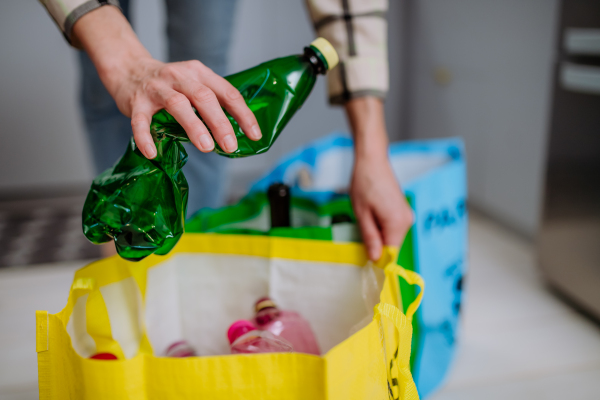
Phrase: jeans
[196,29]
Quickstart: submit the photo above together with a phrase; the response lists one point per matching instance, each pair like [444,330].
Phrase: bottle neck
[316,60]
[266,315]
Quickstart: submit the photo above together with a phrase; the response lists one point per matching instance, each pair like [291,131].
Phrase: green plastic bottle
[141,204]
[273,90]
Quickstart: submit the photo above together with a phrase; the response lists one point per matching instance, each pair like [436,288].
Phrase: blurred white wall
[482,69]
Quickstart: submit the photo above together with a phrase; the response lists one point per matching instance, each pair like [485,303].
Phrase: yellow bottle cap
[328,52]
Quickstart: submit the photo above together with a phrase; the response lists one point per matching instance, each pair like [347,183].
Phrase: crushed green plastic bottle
[141,204]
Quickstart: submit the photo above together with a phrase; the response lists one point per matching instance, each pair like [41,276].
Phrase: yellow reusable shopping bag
[136,310]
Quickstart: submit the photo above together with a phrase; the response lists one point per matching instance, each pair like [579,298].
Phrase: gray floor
[519,341]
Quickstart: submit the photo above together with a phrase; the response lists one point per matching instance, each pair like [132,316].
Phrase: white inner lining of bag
[197,297]
[83,343]
[122,300]
[408,167]
[333,169]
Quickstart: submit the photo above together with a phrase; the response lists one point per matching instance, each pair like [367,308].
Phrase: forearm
[141,86]
[108,39]
[383,214]
[367,121]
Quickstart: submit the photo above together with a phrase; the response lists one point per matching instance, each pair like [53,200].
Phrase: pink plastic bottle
[245,338]
[286,324]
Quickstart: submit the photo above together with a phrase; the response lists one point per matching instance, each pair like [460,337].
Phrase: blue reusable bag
[432,174]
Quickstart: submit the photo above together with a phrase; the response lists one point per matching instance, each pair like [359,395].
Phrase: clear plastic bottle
[246,339]
[180,349]
[288,325]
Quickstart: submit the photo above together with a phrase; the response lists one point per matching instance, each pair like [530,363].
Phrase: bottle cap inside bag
[264,302]
[104,356]
[328,52]
[239,328]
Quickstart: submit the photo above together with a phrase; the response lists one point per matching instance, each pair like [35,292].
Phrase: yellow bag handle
[404,383]
[412,278]
[392,312]
[387,262]
[98,327]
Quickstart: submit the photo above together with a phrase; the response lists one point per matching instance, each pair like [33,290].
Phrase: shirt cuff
[66,12]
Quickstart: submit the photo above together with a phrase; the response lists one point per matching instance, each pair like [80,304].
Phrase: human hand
[141,86]
[152,85]
[383,213]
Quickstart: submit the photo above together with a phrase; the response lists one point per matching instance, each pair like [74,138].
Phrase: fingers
[395,226]
[205,101]
[178,105]
[370,234]
[177,87]
[232,100]
[140,124]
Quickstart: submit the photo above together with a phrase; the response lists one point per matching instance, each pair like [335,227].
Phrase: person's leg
[107,129]
[201,30]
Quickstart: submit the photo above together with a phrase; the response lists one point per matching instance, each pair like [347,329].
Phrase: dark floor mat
[43,235]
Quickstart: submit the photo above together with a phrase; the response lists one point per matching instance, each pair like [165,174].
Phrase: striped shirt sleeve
[358,31]
[66,12]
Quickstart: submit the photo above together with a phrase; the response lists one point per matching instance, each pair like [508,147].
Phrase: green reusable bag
[258,213]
